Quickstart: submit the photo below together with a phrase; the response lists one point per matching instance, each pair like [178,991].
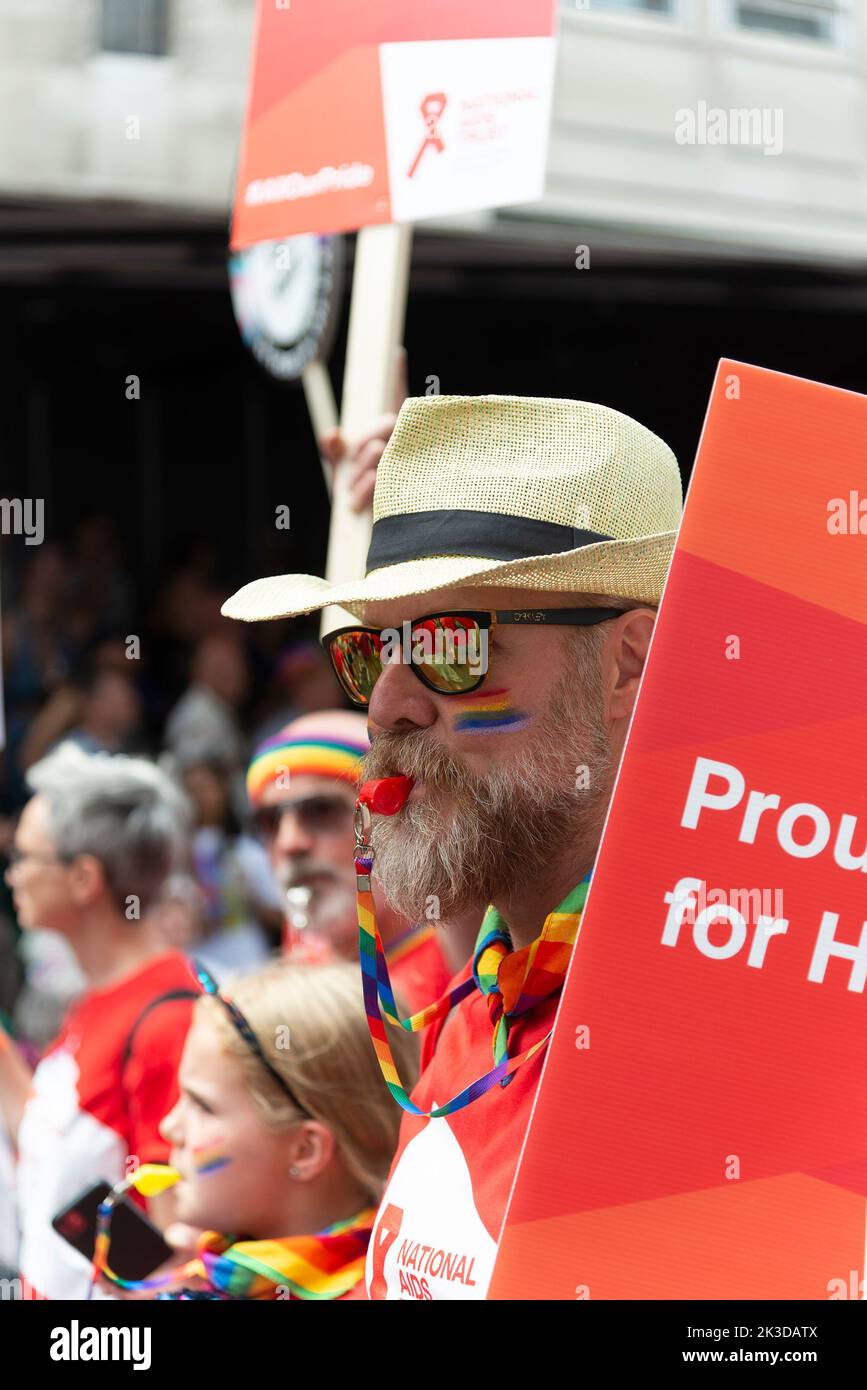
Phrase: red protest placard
[700,1129]
[384,111]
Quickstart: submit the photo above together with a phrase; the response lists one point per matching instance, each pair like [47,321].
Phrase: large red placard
[700,1129]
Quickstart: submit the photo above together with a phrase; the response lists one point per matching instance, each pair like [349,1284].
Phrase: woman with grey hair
[93,846]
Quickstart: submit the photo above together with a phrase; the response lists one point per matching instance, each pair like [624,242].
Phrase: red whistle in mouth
[385,795]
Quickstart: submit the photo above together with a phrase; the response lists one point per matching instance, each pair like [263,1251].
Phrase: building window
[799,19]
[639,6]
[136,26]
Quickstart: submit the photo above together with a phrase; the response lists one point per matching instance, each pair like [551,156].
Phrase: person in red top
[301,785]
[91,851]
[518,553]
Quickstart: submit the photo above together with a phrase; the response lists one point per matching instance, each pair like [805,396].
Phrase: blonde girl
[283,1134]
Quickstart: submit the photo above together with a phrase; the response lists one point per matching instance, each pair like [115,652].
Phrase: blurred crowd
[177,902]
[176,820]
[88,658]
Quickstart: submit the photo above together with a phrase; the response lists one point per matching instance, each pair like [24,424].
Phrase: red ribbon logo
[383,1237]
[431,109]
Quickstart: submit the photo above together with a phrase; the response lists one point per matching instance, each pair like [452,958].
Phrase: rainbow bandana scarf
[317,1267]
[513,982]
[325,755]
[323,1266]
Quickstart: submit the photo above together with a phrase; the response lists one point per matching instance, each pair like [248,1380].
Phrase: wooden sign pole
[376,317]
[321,405]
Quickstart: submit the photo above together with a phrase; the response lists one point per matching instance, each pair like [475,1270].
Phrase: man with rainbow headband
[302,785]
[518,554]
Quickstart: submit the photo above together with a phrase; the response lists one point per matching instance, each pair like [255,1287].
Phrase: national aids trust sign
[361,114]
[700,1130]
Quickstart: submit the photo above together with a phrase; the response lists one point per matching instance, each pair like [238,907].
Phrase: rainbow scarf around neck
[323,1266]
[318,1267]
[513,982]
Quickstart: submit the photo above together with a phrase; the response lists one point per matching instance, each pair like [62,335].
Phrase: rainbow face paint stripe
[210,1158]
[488,712]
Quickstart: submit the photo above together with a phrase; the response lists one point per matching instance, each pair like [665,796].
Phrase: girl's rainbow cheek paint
[210,1158]
[488,712]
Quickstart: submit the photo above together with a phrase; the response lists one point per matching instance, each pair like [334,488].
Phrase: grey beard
[472,837]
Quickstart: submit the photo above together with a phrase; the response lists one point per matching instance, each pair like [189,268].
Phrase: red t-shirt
[436,1232]
[416,965]
[87,1112]
[417,968]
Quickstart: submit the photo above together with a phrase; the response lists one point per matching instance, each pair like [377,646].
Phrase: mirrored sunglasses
[447,652]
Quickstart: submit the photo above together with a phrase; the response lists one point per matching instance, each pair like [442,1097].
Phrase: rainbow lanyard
[513,982]
[322,1266]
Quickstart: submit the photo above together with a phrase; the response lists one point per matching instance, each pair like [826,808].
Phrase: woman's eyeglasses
[447,651]
[243,1028]
[320,814]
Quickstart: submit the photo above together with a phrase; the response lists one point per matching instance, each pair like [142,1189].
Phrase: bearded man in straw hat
[521,545]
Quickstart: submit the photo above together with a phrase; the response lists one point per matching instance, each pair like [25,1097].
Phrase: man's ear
[87,880]
[630,639]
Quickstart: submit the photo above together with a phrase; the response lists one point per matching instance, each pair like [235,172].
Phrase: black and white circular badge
[285,295]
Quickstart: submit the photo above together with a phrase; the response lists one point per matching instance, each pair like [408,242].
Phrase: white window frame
[636,9]
[680,19]
[841,39]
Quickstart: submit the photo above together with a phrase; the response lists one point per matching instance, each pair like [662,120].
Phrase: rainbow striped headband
[322,756]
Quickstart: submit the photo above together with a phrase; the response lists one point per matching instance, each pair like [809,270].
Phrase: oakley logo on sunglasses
[440,645]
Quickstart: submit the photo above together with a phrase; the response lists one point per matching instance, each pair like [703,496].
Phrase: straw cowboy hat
[554,495]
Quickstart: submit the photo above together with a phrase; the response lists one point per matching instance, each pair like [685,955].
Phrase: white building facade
[737,125]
